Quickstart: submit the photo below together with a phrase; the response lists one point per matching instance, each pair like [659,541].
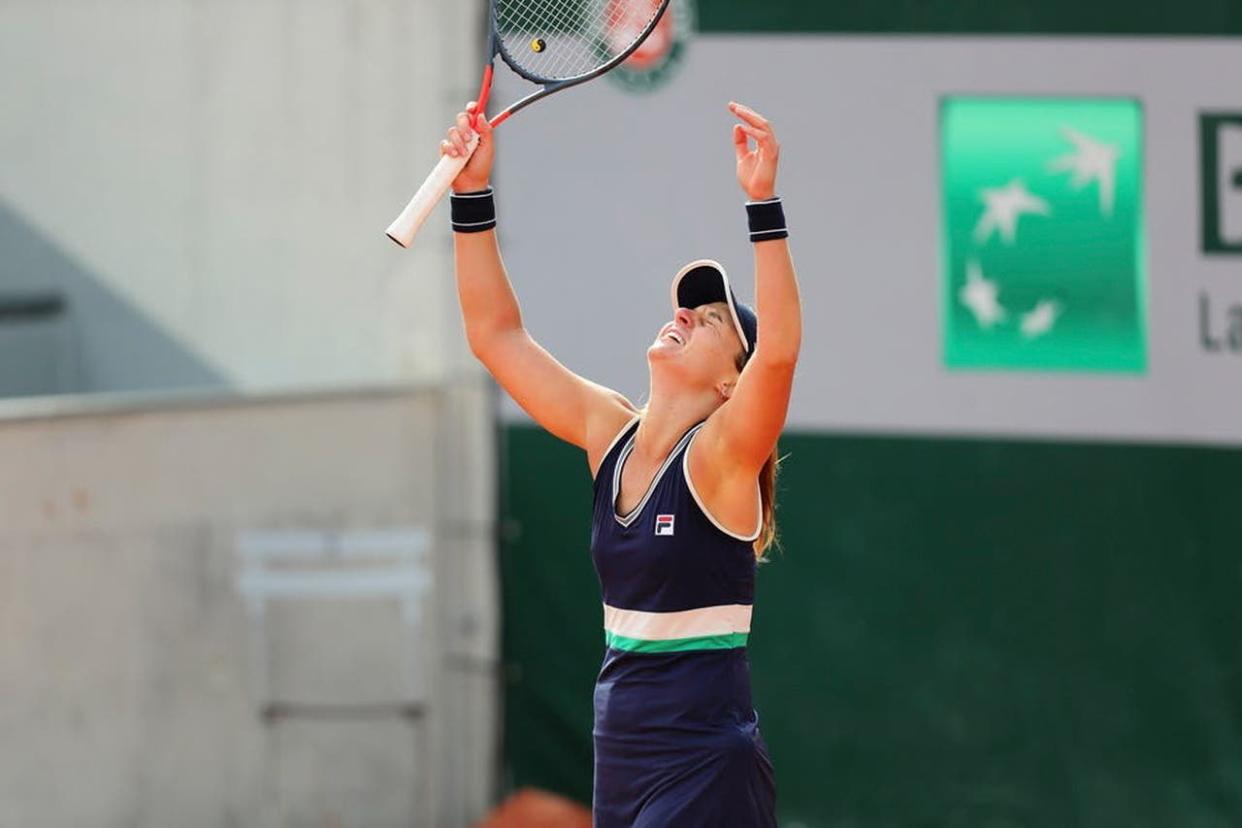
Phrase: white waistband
[667,626]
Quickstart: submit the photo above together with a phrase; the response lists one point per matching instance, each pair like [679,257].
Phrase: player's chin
[662,350]
[664,358]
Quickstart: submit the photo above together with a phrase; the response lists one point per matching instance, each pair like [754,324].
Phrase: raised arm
[572,408]
[742,434]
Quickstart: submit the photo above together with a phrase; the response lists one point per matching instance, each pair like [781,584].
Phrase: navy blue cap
[704,281]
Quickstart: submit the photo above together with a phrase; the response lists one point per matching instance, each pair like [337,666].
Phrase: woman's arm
[570,407]
[742,434]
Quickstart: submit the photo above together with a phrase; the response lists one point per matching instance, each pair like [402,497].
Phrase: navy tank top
[672,579]
[676,736]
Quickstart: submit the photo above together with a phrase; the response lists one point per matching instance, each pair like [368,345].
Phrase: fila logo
[664,524]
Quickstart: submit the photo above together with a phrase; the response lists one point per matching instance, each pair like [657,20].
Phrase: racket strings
[560,26]
[561,39]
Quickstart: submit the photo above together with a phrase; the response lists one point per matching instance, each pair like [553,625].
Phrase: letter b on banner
[1220,140]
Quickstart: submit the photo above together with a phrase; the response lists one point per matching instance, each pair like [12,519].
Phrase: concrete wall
[127,684]
[208,181]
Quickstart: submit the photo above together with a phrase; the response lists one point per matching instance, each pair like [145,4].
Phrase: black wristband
[473,212]
[767,219]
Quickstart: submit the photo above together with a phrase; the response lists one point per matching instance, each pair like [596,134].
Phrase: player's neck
[668,416]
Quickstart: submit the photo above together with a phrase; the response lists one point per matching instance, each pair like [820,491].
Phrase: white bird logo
[1091,160]
[1002,208]
[979,295]
[1040,320]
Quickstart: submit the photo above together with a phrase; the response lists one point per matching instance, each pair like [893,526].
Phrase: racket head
[561,42]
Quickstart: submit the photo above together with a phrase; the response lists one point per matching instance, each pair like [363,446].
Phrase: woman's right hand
[478,169]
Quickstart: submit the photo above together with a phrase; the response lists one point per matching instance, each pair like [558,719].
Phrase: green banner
[1043,259]
[1105,17]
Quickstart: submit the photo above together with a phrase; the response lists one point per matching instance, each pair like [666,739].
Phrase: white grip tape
[407,225]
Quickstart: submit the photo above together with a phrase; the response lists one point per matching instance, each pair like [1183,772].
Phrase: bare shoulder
[713,459]
[726,489]
[606,424]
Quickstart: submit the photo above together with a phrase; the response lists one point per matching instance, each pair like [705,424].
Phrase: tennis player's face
[701,342]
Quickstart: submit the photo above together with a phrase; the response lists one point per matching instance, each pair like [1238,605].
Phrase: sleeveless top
[678,591]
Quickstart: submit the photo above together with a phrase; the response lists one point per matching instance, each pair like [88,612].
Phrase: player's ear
[725,388]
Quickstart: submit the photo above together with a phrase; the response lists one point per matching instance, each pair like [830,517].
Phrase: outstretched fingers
[756,167]
[753,125]
[750,116]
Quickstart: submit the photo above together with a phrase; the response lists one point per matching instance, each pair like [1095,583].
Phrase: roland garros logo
[657,59]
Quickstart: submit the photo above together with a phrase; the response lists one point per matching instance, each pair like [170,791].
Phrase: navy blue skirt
[677,743]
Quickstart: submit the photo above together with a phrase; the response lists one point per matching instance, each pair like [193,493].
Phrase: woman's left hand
[756,168]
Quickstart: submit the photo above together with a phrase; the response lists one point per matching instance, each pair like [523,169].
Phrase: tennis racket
[555,44]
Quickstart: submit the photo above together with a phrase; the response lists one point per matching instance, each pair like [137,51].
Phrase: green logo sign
[657,59]
[1220,152]
[1042,251]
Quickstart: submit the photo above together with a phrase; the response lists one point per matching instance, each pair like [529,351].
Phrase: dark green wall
[1107,17]
[958,633]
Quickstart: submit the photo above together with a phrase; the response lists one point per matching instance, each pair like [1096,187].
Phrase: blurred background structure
[274,552]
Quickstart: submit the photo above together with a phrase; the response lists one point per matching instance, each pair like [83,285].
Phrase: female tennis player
[683,499]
